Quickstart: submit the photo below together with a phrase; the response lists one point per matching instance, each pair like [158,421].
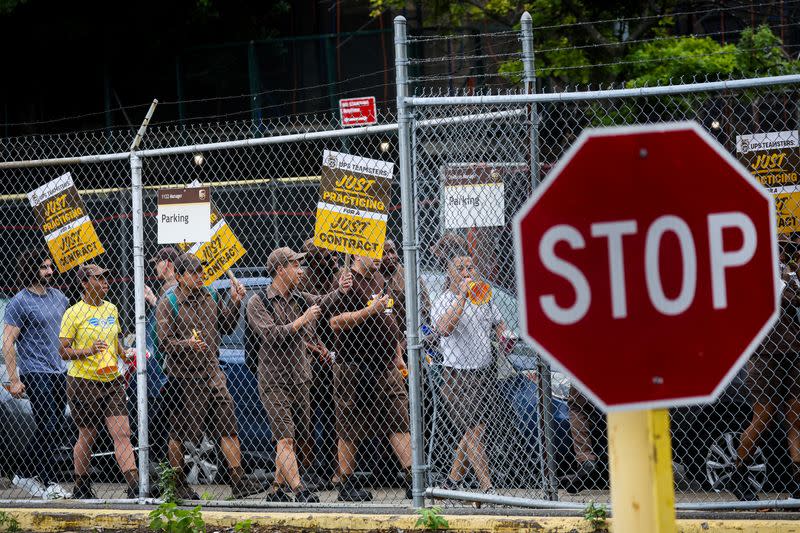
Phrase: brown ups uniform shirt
[283,357]
[197,310]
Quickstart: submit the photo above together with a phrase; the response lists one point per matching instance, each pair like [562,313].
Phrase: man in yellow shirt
[90,342]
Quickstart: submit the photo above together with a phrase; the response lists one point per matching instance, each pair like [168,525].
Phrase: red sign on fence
[647,265]
[358,111]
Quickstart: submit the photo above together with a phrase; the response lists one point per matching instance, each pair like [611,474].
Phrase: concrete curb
[57,520]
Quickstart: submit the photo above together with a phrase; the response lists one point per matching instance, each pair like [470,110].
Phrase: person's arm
[332,301]
[10,334]
[349,320]
[68,353]
[268,329]
[229,314]
[448,322]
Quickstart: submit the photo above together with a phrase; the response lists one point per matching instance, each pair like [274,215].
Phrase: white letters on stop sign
[614,233]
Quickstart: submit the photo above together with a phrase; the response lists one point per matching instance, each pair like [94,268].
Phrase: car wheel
[200,462]
[721,459]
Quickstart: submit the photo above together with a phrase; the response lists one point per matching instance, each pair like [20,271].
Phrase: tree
[633,41]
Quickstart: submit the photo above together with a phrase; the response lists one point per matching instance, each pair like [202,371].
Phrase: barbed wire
[649,40]
[461,58]
[662,15]
[425,39]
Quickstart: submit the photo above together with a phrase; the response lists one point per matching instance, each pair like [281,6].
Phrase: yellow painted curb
[55,520]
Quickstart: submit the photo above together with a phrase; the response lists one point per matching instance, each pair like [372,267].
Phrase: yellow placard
[349,233]
[354,204]
[220,253]
[74,246]
[787,209]
[67,228]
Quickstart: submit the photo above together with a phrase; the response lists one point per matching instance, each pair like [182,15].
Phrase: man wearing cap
[190,324]
[286,325]
[164,264]
[90,341]
[371,396]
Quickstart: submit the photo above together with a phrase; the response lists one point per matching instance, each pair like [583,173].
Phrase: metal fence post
[545,382]
[141,348]
[410,263]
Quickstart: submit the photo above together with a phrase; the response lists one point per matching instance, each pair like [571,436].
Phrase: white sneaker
[54,491]
[30,484]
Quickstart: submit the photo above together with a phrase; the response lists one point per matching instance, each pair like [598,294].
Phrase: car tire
[721,459]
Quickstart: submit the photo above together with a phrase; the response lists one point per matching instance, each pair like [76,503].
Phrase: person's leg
[762,415]
[179,398]
[347,457]
[401,444]
[39,392]
[459,468]
[119,430]
[286,470]
[82,452]
[476,452]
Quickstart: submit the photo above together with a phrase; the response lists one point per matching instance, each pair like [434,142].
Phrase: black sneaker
[580,479]
[185,492]
[246,487]
[739,484]
[349,491]
[83,492]
[132,492]
[306,496]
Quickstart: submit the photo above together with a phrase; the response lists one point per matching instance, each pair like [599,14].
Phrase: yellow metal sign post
[640,463]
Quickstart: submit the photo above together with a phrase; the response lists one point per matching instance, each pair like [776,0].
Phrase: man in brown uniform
[394,273]
[191,320]
[286,325]
[320,276]
[371,397]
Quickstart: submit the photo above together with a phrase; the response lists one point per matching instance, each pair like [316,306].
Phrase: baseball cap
[88,270]
[167,253]
[281,257]
[187,263]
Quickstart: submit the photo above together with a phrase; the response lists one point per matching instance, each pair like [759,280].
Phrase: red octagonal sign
[647,264]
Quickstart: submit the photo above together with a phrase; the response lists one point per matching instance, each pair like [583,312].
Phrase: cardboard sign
[474,196]
[220,252]
[774,160]
[357,111]
[183,215]
[66,225]
[354,204]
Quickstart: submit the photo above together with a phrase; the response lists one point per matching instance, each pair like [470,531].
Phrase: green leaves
[431,519]
[168,518]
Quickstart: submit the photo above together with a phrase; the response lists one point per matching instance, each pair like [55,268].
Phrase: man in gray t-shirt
[31,352]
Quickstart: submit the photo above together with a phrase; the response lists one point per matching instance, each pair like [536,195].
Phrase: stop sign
[647,264]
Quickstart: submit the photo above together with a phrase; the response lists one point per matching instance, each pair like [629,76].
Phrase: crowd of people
[325,339]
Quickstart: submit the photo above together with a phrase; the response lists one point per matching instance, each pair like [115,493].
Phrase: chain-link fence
[274,377]
[499,424]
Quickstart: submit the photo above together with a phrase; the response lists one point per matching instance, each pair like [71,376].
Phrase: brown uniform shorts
[289,409]
[91,402]
[469,395]
[773,377]
[369,404]
[200,406]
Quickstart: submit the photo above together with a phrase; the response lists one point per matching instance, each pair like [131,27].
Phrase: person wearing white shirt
[467,375]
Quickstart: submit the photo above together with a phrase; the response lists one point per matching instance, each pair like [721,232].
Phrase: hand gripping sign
[354,204]
[66,225]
